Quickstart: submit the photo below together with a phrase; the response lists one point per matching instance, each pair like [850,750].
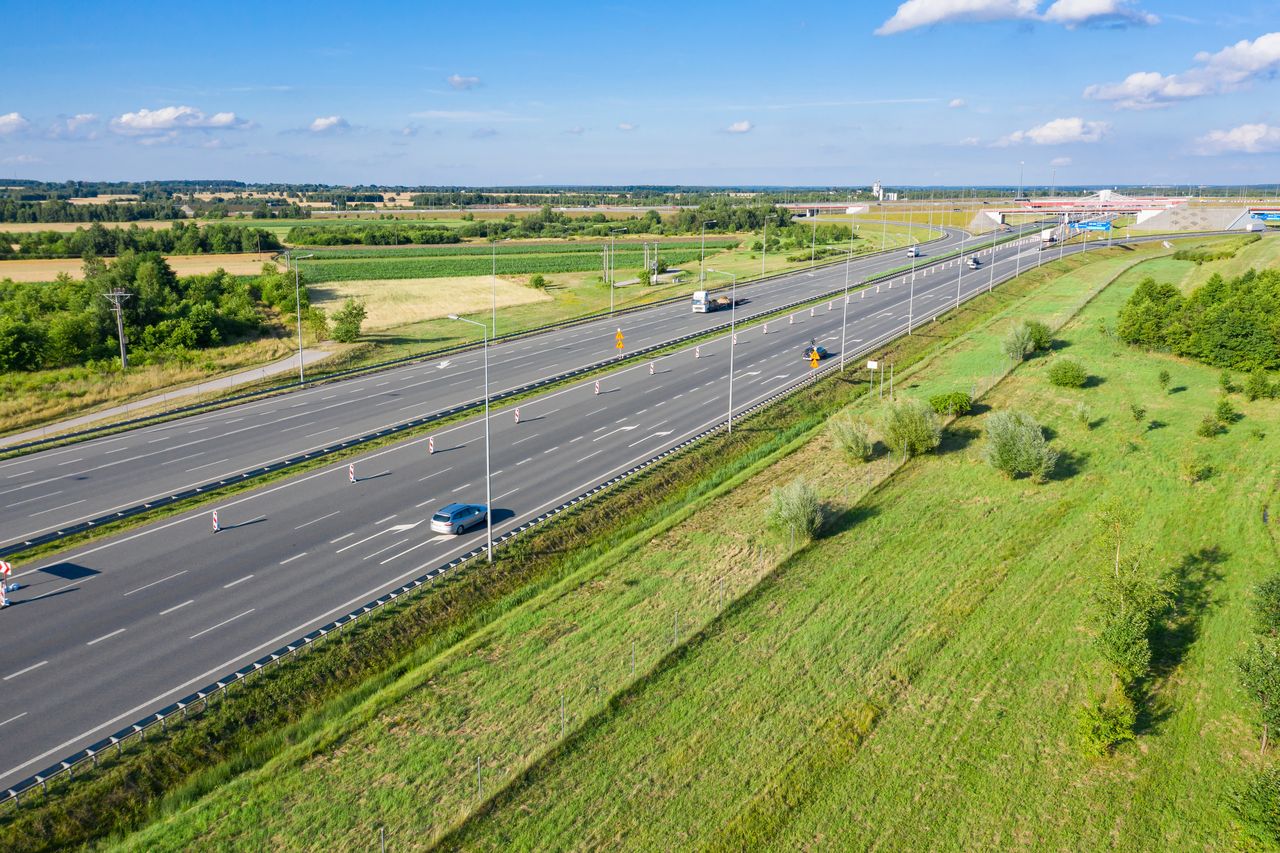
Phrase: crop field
[248,263]
[361,268]
[522,247]
[397,302]
[905,681]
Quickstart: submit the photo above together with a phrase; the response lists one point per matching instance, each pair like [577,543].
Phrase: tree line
[183,238]
[68,323]
[372,234]
[1230,323]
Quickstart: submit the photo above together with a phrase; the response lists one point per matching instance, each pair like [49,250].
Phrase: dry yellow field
[248,263]
[25,227]
[103,199]
[395,302]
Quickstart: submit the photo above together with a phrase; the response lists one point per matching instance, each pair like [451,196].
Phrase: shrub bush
[952,403]
[911,428]
[1257,805]
[1041,337]
[538,281]
[1105,724]
[1225,412]
[1018,344]
[1195,470]
[1067,373]
[1257,386]
[853,437]
[1083,414]
[1164,378]
[1138,411]
[795,509]
[347,321]
[1017,447]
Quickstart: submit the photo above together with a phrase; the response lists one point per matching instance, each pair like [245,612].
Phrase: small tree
[347,321]
[1128,602]
[1227,383]
[1067,373]
[1260,676]
[1257,386]
[911,428]
[538,281]
[1018,343]
[795,509]
[1209,427]
[1225,413]
[1106,723]
[1017,447]
[1164,378]
[1138,411]
[853,437]
[316,322]
[1083,414]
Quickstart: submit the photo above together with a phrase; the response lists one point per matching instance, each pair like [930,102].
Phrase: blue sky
[927,91]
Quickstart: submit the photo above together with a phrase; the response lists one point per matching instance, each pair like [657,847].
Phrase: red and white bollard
[431,444]
[351,473]
[766,328]
[216,526]
[5,571]
[651,368]
[597,386]
[517,414]
[735,340]
[697,352]
[791,319]
[830,305]
[810,310]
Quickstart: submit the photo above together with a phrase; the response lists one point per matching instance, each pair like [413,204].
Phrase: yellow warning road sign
[619,339]
[813,359]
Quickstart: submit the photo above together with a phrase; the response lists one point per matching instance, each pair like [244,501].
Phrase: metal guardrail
[414,423]
[397,362]
[200,700]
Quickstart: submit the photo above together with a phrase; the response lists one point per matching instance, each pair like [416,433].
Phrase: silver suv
[456,518]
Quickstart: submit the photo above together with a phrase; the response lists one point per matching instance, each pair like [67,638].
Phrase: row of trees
[182,238]
[17,210]
[372,234]
[69,322]
[1226,323]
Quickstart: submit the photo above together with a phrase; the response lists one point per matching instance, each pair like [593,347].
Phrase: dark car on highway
[812,347]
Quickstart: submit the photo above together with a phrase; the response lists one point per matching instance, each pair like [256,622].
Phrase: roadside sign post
[813,360]
[5,571]
[431,444]
[517,414]
[619,343]
[351,472]
[651,368]
[216,526]
[597,386]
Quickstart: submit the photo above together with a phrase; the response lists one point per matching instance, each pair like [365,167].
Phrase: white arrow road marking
[442,365]
[752,373]
[612,431]
[394,527]
[647,437]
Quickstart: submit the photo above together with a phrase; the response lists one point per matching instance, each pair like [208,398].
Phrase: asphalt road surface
[57,488]
[106,633]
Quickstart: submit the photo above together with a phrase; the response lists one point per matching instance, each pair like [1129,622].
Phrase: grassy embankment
[253,724]
[406,758]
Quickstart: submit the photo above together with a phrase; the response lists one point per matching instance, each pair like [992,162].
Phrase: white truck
[913,252]
[705,303]
[1047,237]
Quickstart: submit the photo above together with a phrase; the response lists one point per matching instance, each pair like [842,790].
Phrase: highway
[57,488]
[106,633]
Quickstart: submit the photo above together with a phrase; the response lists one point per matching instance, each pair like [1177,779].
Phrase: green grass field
[948,598]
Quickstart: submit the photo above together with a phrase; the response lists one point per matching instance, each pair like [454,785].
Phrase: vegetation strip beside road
[292,701]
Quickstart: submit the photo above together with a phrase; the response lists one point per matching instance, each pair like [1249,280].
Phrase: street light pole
[844,309]
[702,274]
[733,335]
[297,302]
[488,480]
[612,231]
[960,275]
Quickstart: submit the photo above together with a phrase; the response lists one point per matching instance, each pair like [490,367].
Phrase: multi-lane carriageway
[58,488]
[114,630]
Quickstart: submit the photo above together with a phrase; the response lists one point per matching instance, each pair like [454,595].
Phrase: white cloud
[958,103]
[1093,13]
[576,130]
[78,126]
[970,141]
[484,133]
[1060,131]
[13,123]
[1229,69]
[1245,139]
[22,160]
[329,124]
[167,121]
[461,83]
[626,126]
[1068,13]
[924,13]
[1060,161]
[743,126]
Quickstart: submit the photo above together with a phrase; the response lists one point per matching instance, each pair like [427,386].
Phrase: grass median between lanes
[405,756]
[304,696]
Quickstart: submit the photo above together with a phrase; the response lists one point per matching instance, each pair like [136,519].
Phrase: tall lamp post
[488,484]
[733,335]
[702,274]
[612,231]
[297,302]
[844,309]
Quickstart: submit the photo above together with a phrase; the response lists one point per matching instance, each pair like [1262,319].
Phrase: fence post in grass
[675,629]
[477,777]
[562,713]
[382,839]
[633,657]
